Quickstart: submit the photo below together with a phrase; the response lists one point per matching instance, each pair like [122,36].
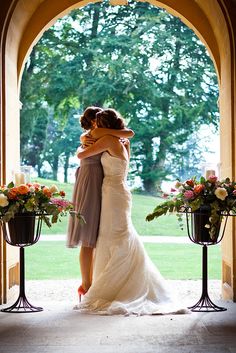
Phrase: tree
[33,116]
[62,142]
[139,60]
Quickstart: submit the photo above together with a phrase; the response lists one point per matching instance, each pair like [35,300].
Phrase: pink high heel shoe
[81,291]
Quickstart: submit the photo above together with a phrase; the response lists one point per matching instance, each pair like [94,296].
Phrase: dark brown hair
[88,116]
[110,118]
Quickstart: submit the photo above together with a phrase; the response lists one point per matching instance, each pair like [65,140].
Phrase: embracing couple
[119,278]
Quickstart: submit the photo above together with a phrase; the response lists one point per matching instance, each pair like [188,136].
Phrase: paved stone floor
[59,329]
[59,290]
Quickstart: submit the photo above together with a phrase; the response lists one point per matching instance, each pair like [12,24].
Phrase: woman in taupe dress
[87,197]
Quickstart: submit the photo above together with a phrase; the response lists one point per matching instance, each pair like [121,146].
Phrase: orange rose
[47,192]
[12,194]
[22,189]
[190,182]
[198,188]
[62,193]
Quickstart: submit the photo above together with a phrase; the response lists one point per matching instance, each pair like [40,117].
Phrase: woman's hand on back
[126,143]
[87,140]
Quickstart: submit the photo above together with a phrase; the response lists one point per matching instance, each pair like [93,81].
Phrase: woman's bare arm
[103,144]
[100,132]
[126,143]
[88,141]
[83,137]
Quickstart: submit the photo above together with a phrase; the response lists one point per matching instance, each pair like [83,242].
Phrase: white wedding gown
[125,281]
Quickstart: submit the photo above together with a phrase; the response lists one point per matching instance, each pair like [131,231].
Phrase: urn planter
[201,226]
[21,231]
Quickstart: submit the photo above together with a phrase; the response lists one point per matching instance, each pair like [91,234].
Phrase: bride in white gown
[125,281]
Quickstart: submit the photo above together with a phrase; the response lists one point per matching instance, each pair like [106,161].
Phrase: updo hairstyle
[109,118]
[88,116]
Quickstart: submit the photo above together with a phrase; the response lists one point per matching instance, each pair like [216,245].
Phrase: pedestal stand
[204,304]
[22,304]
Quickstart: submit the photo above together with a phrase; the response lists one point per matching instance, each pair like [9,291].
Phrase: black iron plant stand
[21,231]
[199,234]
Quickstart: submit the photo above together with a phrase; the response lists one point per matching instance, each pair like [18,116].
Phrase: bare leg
[86,259]
[91,268]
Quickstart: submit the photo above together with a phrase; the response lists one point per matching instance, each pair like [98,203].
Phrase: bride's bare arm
[101,145]
[100,132]
[126,143]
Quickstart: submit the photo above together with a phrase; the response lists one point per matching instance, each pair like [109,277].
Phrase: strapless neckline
[120,159]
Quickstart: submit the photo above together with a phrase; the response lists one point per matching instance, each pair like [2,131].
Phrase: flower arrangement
[39,199]
[192,194]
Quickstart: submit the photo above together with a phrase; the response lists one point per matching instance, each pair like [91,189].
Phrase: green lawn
[52,260]
[166,225]
[141,206]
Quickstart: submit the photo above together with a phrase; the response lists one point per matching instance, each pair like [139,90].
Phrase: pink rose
[189,194]
[212,179]
[234,192]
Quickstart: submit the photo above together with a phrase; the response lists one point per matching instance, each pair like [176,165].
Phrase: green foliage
[138,59]
[62,141]
[163,208]
[215,198]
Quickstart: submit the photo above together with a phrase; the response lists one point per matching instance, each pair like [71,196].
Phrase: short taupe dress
[87,200]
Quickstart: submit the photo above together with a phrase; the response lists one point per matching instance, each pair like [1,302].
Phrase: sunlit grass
[141,206]
[52,260]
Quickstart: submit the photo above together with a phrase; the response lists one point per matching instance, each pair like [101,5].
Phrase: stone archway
[25,22]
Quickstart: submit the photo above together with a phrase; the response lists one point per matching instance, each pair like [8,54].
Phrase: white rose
[53,189]
[3,201]
[221,193]
[32,189]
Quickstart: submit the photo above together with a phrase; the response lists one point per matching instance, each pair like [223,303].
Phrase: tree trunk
[55,167]
[66,165]
[39,170]
[96,13]
[149,186]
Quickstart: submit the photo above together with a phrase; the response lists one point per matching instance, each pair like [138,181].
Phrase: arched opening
[26,23]
[114,78]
